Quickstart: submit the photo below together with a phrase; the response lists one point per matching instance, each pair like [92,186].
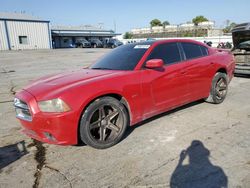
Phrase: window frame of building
[23,39]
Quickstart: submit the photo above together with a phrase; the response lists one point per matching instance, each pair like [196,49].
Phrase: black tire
[218,89]
[103,123]
[113,46]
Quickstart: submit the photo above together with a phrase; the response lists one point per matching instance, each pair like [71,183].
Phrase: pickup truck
[241,50]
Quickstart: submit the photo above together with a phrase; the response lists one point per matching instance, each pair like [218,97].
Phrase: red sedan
[130,84]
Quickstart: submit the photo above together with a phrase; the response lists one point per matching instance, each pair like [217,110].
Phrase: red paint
[147,91]
[154,63]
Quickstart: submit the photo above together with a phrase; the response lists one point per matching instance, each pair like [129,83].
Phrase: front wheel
[104,123]
[218,89]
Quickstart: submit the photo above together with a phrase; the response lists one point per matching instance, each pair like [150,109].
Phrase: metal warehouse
[66,36]
[21,31]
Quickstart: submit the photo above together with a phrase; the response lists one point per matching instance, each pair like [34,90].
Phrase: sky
[129,14]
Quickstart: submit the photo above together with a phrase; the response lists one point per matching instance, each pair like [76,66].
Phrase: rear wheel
[219,88]
[103,123]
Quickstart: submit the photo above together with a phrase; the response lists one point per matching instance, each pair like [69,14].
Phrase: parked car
[241,50]
[96,43]
[130,84]
[150,39]
[113,43]
[82,43]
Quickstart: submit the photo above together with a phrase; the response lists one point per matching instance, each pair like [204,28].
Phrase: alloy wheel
[221,88]
[105,123]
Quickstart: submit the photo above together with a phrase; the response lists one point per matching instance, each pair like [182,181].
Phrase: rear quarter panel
[223,59]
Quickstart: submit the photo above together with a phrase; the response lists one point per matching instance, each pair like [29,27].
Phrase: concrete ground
[199,144]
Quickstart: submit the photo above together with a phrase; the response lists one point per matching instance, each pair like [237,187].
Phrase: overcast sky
[128,14]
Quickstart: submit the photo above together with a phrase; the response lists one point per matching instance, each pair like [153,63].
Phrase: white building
[20,31]
[209,25]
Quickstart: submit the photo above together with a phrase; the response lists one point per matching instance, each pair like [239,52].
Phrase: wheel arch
[117,96]
[222,70]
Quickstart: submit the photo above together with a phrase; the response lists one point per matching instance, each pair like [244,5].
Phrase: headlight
[54,105]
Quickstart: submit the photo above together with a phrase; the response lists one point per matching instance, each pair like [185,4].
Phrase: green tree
[229,27]
[155,22]
[199,19]
[128,35]
[165,23]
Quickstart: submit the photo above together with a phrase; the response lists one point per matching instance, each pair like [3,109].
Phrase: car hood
[54,84]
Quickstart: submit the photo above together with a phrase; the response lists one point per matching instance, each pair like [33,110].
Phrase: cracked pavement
[195,143]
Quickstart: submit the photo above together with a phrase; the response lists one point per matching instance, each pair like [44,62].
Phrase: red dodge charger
[130,84]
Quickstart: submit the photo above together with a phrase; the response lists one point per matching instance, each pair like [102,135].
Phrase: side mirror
[154,63]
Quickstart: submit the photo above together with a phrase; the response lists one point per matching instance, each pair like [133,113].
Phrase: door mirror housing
[154,63]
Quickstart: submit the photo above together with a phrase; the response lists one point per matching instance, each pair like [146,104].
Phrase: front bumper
[242,69]
[53,128]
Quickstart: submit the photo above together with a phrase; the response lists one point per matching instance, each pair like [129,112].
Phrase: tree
[199,19]
[165,23]
[128,35]
[229,27]
[155,22]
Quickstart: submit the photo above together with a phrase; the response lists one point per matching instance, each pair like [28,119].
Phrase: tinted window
[122,58]
[192,50]
[204,50]
[169,53]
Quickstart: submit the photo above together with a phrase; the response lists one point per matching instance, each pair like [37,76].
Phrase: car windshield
[82,40]
[96,40]
[245,44]
[122,58]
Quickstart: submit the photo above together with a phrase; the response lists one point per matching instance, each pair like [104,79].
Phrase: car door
[166,87]
[197,68]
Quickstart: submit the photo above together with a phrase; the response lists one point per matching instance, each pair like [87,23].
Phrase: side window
[192,50]
[204,50]
[168,52]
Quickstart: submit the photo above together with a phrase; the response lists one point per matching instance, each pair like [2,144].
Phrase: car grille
[22,110]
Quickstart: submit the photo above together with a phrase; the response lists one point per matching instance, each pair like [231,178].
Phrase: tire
[95,46]
[218,89]
[103,123]
[113,46]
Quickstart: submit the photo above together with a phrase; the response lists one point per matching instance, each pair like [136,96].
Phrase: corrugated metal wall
[3,37]
[37,34]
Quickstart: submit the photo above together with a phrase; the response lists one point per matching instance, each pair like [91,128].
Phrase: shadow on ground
[11,153]
[200,172]
[131,129]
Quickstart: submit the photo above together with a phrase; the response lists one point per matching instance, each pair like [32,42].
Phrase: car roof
[156,42]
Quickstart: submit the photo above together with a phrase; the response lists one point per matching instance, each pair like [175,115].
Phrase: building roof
[76,28]
[20,17]
[82,30]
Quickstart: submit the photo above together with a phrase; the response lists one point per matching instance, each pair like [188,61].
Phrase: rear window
[168,52]
[204,50]
[192,50]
